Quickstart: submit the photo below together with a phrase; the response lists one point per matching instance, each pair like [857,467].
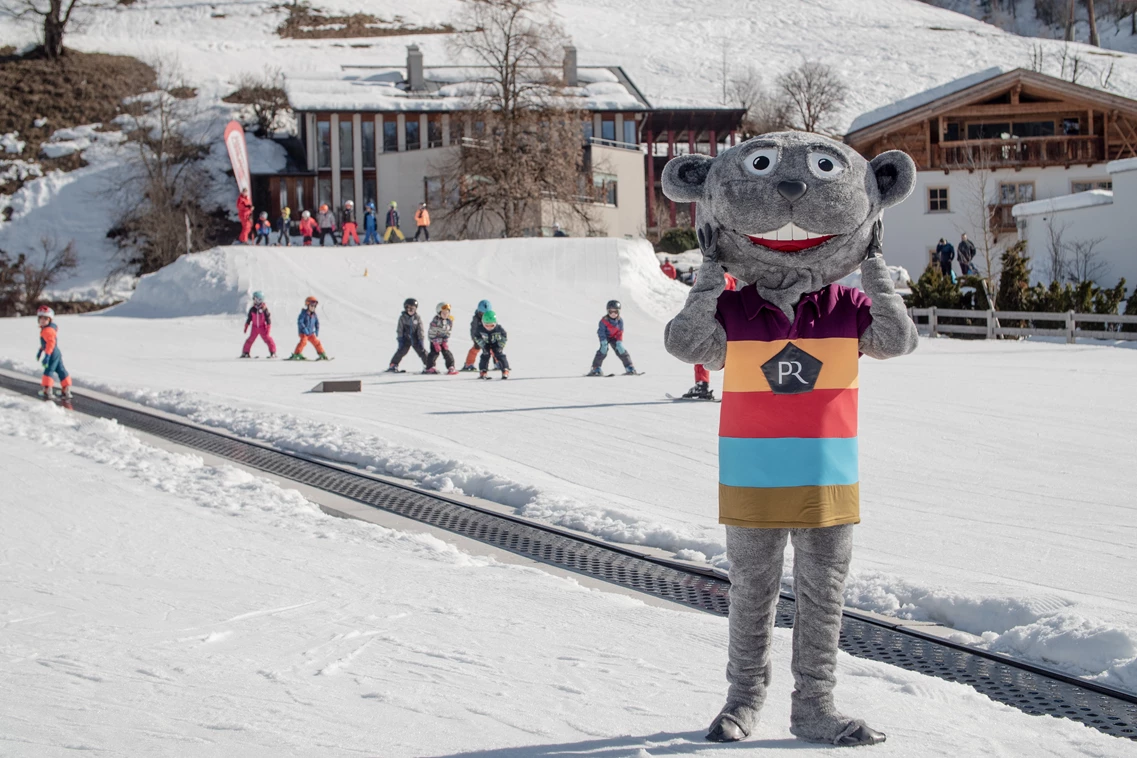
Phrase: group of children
[325,225]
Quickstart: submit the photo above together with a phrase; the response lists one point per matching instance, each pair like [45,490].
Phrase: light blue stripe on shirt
[787,462]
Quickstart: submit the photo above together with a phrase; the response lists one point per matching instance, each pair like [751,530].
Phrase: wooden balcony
[1002,221]
[1017,152]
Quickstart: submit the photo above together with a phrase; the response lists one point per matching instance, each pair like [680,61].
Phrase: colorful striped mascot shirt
[788,425]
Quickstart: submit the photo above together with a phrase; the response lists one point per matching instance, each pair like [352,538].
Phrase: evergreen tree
[1014,279]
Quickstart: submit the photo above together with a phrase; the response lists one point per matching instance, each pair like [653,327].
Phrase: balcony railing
[613,143]
[1018,151]
[1001,219]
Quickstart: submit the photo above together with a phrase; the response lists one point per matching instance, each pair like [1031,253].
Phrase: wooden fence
[990,324]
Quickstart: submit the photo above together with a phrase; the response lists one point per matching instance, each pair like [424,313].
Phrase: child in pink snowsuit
[261,321]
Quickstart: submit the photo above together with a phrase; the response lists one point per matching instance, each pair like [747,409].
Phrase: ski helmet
[264,214]
[484,306]
[286,211]
[441,307]
[311,300]
[409,302]
[258,297]
[324,208]
[305,214]
[349,204]
[614,305]
[489,317]
[394,204]
[45,310]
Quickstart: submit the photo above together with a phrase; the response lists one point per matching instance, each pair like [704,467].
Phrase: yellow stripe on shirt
[744,359]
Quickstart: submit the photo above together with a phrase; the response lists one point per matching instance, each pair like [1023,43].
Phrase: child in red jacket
[261,321]
[308,227]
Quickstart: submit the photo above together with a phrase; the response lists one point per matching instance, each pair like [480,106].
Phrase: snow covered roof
[1121,166]
[886,112]
[1064,202]
[448,88]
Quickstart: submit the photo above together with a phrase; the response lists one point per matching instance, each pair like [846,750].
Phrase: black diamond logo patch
[792,371]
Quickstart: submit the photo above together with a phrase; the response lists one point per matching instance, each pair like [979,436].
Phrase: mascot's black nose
[792,191]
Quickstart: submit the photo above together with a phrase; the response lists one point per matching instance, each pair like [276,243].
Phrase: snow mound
[366,281]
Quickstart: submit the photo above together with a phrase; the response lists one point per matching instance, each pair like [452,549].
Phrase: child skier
[408,330]
[475,327]
[491,340]
[370,226]
[309,327]
[327,221]
[439,336]
[611,333]
[50,356]
[261,321]
[264,229]
[393,223]
[308,227]
[284,236]
[349,228]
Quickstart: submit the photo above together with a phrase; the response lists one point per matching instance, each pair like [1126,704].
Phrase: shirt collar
[821,301]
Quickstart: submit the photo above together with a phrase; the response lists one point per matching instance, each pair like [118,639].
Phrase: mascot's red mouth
[790,246]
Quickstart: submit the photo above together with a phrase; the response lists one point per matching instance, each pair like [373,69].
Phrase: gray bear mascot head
[789,211]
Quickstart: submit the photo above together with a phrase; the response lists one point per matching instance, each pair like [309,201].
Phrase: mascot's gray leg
[755,578]
[821,561]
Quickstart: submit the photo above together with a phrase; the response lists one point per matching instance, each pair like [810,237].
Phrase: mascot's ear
[895,176]
[683,177]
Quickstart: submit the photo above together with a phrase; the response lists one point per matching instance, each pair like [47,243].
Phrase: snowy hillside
[985,503]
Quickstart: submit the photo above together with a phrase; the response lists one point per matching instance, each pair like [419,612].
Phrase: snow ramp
[541,288]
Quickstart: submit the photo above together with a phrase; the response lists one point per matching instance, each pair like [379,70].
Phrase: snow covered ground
[672,49]
[155,605]
[995,495]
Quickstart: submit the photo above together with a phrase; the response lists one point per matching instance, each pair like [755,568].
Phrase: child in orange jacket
[50,356]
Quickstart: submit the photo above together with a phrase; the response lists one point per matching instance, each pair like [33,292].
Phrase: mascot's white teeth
[787,233]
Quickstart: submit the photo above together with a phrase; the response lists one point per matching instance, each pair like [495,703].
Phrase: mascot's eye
[825,166]
[762,162]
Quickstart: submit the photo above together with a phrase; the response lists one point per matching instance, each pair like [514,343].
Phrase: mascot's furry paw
[820,722]
[734,723]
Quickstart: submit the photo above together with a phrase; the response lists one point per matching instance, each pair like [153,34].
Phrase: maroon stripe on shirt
[832,311]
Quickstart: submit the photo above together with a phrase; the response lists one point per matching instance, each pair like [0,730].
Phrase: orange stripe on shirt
[744,359]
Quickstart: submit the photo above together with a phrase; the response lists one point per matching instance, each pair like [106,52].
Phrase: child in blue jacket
[370,226]
[308,325]
[611,333]
[264,229]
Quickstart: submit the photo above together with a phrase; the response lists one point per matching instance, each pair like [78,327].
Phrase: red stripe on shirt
[816,414]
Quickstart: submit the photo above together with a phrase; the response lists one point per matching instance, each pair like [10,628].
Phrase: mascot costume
[790,214]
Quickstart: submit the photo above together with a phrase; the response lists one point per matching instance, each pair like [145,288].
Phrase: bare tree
[979,223]
[522,151]
[1094,39]
[55,15]
[1085,261]
[161,189]
[1070,22]
[765,111]
[24,280]
[815,94]
[1057,264]
[265,97]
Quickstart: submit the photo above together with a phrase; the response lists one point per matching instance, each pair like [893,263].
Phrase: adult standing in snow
[392,223]
[245,214]
[667,268]
[945,254]
[327,221]
[966,251]
[422,223]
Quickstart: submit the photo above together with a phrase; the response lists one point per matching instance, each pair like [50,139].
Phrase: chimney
[570,67]
[414,69]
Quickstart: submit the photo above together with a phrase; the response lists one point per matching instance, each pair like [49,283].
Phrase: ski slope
[993,498]
[156,605]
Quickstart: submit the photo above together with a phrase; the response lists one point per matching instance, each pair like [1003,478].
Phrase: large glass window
[347,189]
[608,129]
[457,129]
[324,188]
[412,133]
[1018,192]
[299,199]
[434,196]
[604,186]
[368,192]
[367,138]
[390,135]
[346,145]
[1033,129]
[434,130]
[324,144]
[629,131]
[283,194]
[988,131]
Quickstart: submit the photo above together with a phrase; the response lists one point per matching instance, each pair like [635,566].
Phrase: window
[608,128]
[586,130]
[367,137]
[299,198]
[1033,129]
[457,129]
[629,131]
[988,131]
[438,193]
[369,191]
[346,145]
[283,194]
[604,186]
[951,131]
[347,189]
[325,189]
[1011,193]
[434,130]
[1091,185]
[412,133]
[1071,126]
[938,200]
[324,144]
[390,135]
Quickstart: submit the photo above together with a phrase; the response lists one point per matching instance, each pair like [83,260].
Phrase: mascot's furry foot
[820,722]
[734,723]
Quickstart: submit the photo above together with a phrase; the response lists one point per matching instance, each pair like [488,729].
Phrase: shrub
[678,240]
